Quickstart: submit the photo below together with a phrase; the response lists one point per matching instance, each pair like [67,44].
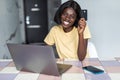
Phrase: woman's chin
[65,26]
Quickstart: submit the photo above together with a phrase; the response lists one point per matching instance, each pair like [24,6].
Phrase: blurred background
[28,21]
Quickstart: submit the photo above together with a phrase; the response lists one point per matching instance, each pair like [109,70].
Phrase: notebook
[36,58]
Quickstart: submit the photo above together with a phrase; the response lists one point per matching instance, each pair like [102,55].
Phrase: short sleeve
[49,39]
[87,33]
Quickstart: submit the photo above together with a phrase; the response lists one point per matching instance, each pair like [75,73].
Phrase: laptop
[36,59]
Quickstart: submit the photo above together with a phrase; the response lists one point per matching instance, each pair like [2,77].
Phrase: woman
[71,34]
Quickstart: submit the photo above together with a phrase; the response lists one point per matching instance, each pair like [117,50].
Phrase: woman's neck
[67,29]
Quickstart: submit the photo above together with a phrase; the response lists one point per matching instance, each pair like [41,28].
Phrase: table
[111,67]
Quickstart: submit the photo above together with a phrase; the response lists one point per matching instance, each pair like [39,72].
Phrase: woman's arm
[82,44]
[82,47]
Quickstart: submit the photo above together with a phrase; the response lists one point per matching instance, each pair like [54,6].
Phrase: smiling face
[68,18]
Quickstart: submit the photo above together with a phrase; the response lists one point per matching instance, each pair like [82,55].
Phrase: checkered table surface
[111,67]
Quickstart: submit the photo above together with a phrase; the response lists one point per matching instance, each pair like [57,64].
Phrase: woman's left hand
[81,25]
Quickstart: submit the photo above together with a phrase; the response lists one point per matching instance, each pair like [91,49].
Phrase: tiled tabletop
[111,67]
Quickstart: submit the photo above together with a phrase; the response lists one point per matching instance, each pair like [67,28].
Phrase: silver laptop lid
[34,58]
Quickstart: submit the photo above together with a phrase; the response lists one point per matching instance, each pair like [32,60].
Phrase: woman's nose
[67,18]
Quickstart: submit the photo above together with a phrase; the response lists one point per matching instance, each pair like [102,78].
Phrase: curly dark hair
[69,4]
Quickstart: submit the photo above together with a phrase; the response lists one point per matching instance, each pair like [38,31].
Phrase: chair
[92,50]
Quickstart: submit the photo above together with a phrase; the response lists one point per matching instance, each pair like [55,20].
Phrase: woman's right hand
[81,25]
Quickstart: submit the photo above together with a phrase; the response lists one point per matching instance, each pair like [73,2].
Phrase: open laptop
[36,58]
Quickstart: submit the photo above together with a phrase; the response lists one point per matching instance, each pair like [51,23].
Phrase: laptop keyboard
[63,67]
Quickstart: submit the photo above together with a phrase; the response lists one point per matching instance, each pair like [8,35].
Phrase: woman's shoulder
[56,27]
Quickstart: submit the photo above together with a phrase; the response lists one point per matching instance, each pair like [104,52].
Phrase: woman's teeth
[66,23]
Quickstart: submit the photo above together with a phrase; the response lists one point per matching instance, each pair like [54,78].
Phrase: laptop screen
[34,58]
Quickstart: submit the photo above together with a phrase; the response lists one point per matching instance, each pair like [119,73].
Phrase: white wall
[9,25]
[104,24]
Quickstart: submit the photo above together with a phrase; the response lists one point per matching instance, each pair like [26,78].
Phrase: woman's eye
[68,16]
[64,14]
[72,17]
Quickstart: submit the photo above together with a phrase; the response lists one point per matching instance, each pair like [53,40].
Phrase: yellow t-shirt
[66,43]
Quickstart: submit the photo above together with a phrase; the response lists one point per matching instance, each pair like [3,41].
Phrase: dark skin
[82,46]
[68,18]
